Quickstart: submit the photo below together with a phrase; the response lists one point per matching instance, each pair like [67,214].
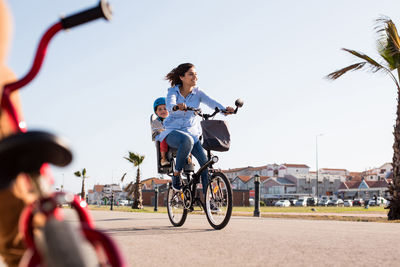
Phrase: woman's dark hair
[173,75]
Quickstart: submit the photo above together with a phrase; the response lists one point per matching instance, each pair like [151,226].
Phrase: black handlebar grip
[103,10]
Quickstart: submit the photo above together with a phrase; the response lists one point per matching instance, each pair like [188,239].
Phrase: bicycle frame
[194,179]
[48,205]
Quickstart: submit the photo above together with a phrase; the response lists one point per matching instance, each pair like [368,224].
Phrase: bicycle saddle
[26,152]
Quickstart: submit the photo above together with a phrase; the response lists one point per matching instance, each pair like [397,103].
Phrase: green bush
[262,203]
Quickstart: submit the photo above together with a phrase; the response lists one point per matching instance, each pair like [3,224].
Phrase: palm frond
[128,159]
[84,172]
[134,158]
[336,74]
[77,174]
[388,42]
[375,66]
[123,177]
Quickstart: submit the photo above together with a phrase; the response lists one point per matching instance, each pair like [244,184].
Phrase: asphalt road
[150,240]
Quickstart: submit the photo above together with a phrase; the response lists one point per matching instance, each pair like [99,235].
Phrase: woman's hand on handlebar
[229,110]
[180,106]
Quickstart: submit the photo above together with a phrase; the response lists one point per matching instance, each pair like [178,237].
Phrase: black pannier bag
[215,135]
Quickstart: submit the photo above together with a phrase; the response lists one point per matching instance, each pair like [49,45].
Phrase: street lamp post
[257,196]
[156,199]
[112,199]
[316,159]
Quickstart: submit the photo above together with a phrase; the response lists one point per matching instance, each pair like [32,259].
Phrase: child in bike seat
[157,127]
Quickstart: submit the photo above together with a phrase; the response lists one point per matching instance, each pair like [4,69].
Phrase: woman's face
[190,77]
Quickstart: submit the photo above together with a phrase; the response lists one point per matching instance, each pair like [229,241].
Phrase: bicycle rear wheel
[219,201]
[176,211]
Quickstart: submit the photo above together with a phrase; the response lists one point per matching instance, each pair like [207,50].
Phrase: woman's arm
[204,98]
[171,99]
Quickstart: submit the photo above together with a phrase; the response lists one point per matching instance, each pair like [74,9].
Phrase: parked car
[301,202]
[292,201]
[323,202]
[371,202]
[358,202]
[348,203]
[336,202]
[123,202]
[282,203]
[251,201]
[382,201]
[312,201]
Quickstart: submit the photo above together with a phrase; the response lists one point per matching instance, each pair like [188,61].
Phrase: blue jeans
[185,145]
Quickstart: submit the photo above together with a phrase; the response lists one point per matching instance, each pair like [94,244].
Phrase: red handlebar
[37,63]
[103,10]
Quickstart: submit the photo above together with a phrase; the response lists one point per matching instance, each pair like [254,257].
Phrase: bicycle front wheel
[176,211]
[219,201]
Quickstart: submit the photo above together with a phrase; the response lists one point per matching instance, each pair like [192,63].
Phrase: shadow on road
[116,219]
[155,230]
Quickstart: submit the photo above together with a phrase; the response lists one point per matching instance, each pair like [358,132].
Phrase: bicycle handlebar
[238,103]
[103,10]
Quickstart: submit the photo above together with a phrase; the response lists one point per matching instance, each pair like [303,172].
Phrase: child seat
[169,169]
[171,154]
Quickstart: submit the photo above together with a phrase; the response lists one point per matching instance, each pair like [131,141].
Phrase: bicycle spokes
[219,201]
[176,207]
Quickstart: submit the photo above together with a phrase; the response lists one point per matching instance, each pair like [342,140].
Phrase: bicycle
[218,199]
[28,153]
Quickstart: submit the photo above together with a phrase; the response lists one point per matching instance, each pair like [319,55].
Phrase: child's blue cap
[158,101]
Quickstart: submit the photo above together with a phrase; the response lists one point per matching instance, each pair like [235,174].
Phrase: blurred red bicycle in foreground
[28,153]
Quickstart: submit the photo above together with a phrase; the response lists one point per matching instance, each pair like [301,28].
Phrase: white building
[292,169]
[378,174]
[101,194]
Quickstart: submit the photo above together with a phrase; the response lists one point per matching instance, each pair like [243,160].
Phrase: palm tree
[389,50]
[136,188]
[83,175]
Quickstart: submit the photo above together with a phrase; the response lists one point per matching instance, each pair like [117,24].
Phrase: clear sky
[98,83]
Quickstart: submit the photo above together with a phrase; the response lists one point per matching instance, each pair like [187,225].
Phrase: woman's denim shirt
[185,121]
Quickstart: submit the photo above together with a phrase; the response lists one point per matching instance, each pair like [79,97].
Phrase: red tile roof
[356,184]
[162,181]
[296,165]
[235,169]
[98,188]
[343,186]
[352,185]
[258,168]
[354,176]
[244,179]
[381,183]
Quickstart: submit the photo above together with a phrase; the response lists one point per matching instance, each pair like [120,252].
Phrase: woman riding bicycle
[182,130]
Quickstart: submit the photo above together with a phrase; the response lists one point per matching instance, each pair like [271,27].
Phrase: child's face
[162,111]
